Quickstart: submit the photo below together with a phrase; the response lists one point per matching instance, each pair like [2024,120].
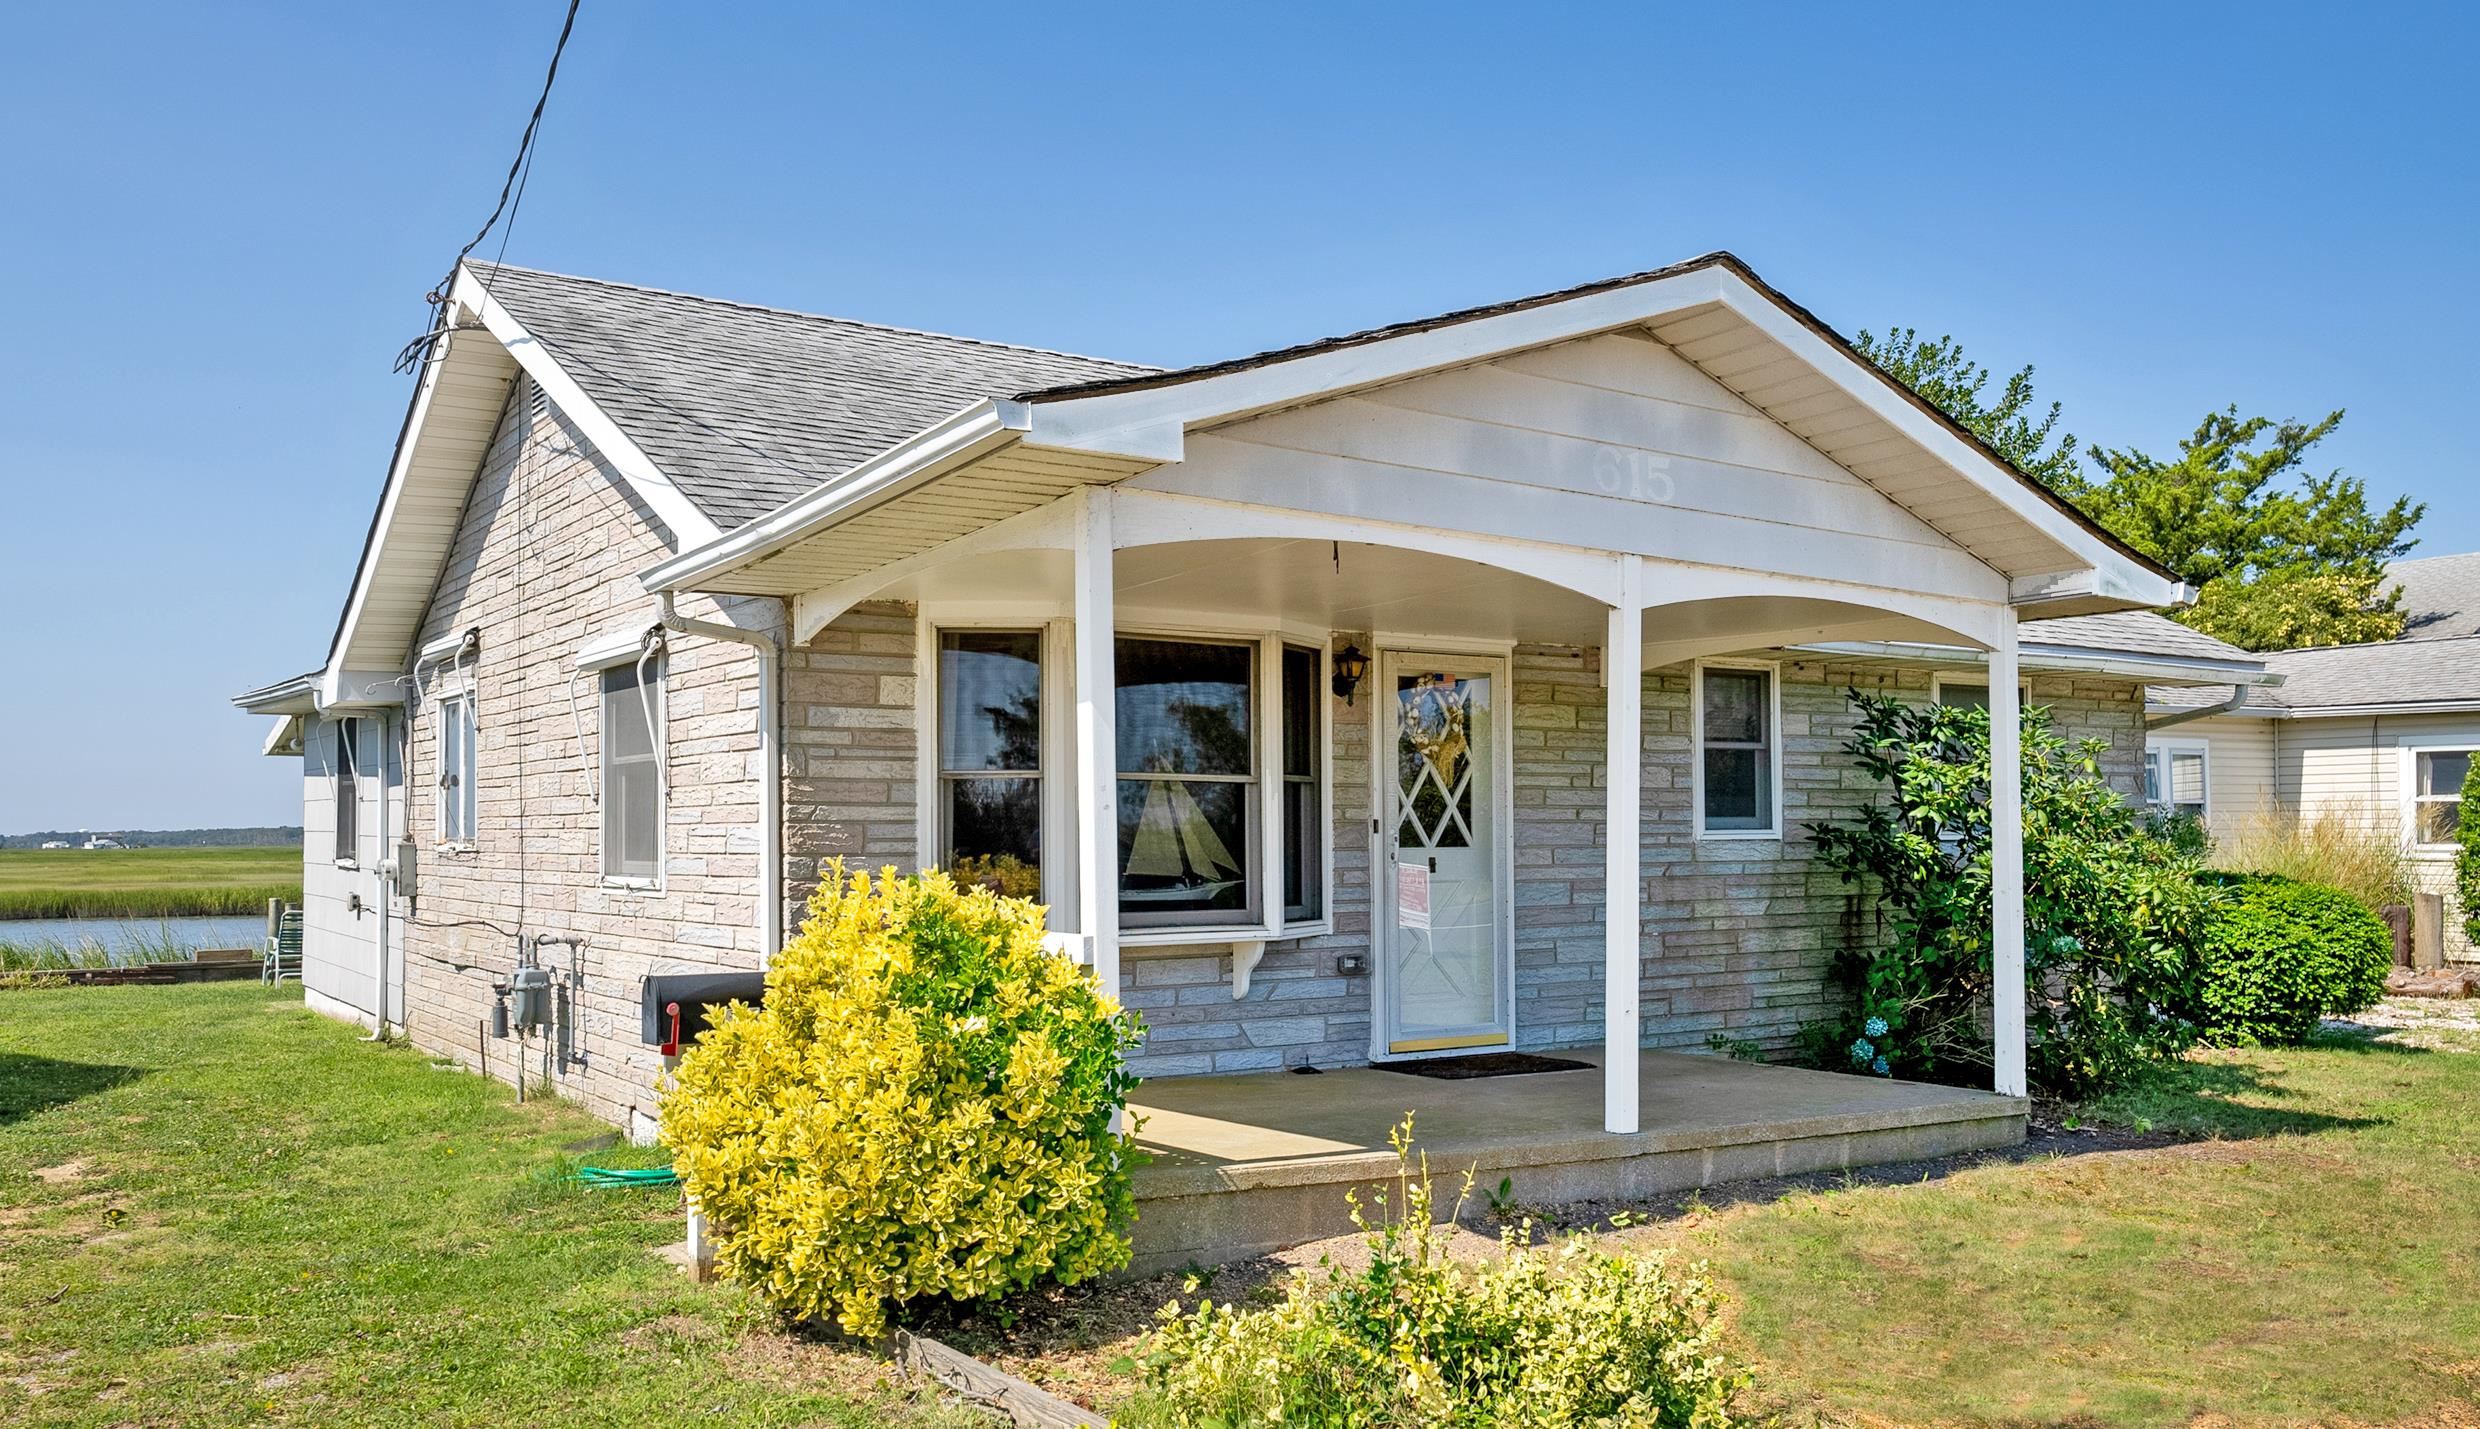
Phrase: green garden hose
[605,1176]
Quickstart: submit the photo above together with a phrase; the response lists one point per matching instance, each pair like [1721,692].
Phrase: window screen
[632,772]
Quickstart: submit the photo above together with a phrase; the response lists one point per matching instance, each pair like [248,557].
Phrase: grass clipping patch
[921,1110]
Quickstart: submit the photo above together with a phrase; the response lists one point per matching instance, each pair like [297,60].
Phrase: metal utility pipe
[770,771]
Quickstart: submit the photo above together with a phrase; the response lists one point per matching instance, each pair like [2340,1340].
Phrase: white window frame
[2164,750]
[608,652]
[345,791]
[1060,773]
[2407,786]
[1774,749]
[456,713]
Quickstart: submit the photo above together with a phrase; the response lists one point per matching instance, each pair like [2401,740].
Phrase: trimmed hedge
[2279,955]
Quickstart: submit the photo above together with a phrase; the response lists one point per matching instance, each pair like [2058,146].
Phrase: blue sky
[219,222]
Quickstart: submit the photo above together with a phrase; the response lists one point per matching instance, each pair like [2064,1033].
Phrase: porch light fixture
[1350,666]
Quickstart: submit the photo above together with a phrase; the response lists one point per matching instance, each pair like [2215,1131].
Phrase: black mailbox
[692,994]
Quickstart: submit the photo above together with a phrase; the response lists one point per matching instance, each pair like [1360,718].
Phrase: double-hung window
[632,771]
[456,770]
[2175,779]
[348,789]
[990,758]
[2437,794]
[1737,751]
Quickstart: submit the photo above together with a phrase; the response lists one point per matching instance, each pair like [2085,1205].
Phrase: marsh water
[123,938]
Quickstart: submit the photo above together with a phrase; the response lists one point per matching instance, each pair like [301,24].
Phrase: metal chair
[284,950]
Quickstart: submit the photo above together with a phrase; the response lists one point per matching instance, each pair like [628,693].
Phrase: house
[2375,735]
[1303,688]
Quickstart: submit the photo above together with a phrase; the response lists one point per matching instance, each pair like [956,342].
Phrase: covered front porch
[1242,1165]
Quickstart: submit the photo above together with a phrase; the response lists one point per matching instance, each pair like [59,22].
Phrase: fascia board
[972,433]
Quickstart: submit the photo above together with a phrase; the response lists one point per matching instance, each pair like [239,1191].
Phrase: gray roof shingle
[747,407]
[2138,632]
[2440,596]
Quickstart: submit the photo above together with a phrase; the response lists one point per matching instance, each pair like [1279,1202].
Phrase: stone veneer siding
[1737,933]
[544,561]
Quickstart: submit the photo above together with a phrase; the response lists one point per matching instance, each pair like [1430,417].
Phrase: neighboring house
[2377,735]
[1287,683]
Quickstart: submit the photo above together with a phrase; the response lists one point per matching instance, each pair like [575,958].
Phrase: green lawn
[217,1208]
[2317,1261]
[144,882]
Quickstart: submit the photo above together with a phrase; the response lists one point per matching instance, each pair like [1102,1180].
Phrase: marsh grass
[2346,847]
[145,882]
[19,955]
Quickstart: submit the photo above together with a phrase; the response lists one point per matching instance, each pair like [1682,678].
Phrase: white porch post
[2006,858]
[1097,742]
[1623,670]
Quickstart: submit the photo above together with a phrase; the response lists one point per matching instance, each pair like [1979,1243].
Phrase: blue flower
[1879,1066]
[1876,1027]
[1861,1051]
[2066,943]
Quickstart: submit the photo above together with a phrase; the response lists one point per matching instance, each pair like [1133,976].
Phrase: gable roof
[2440,596]
[746,407]
[1721,260]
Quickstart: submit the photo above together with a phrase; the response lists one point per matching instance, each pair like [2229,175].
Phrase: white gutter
[2238,697]
[910,464]
[770,769]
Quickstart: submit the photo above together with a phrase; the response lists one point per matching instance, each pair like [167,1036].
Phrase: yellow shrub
[922,1108]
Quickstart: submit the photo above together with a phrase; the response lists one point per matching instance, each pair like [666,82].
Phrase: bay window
[1188,782]
[1221,779]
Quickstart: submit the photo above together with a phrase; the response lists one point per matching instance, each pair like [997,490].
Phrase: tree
[1953,383]
[2282,565]
[2284,557]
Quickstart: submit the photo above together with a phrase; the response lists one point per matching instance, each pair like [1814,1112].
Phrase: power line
[520,168]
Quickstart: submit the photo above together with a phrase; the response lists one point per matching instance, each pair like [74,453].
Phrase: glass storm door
[1445,948]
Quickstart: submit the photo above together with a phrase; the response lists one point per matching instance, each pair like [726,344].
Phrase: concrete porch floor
[1247,1164]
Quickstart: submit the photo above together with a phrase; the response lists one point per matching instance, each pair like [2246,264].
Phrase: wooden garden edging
[1025,1405]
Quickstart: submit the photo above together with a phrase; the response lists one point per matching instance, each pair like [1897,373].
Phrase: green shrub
[2280,955]
[921,1109]
[2112,913]
[1569,1337]
[2467,854]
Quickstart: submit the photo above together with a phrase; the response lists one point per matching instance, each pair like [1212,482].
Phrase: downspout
[770,771]
[2238,697]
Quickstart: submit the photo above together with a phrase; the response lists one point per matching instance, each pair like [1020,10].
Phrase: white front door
[1444,935]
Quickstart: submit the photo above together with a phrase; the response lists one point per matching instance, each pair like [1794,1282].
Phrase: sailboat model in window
[1176,856]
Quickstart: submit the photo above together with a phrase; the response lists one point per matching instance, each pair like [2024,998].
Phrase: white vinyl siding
[1613,435]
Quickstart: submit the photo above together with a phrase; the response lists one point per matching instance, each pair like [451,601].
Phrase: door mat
[1484,1064]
